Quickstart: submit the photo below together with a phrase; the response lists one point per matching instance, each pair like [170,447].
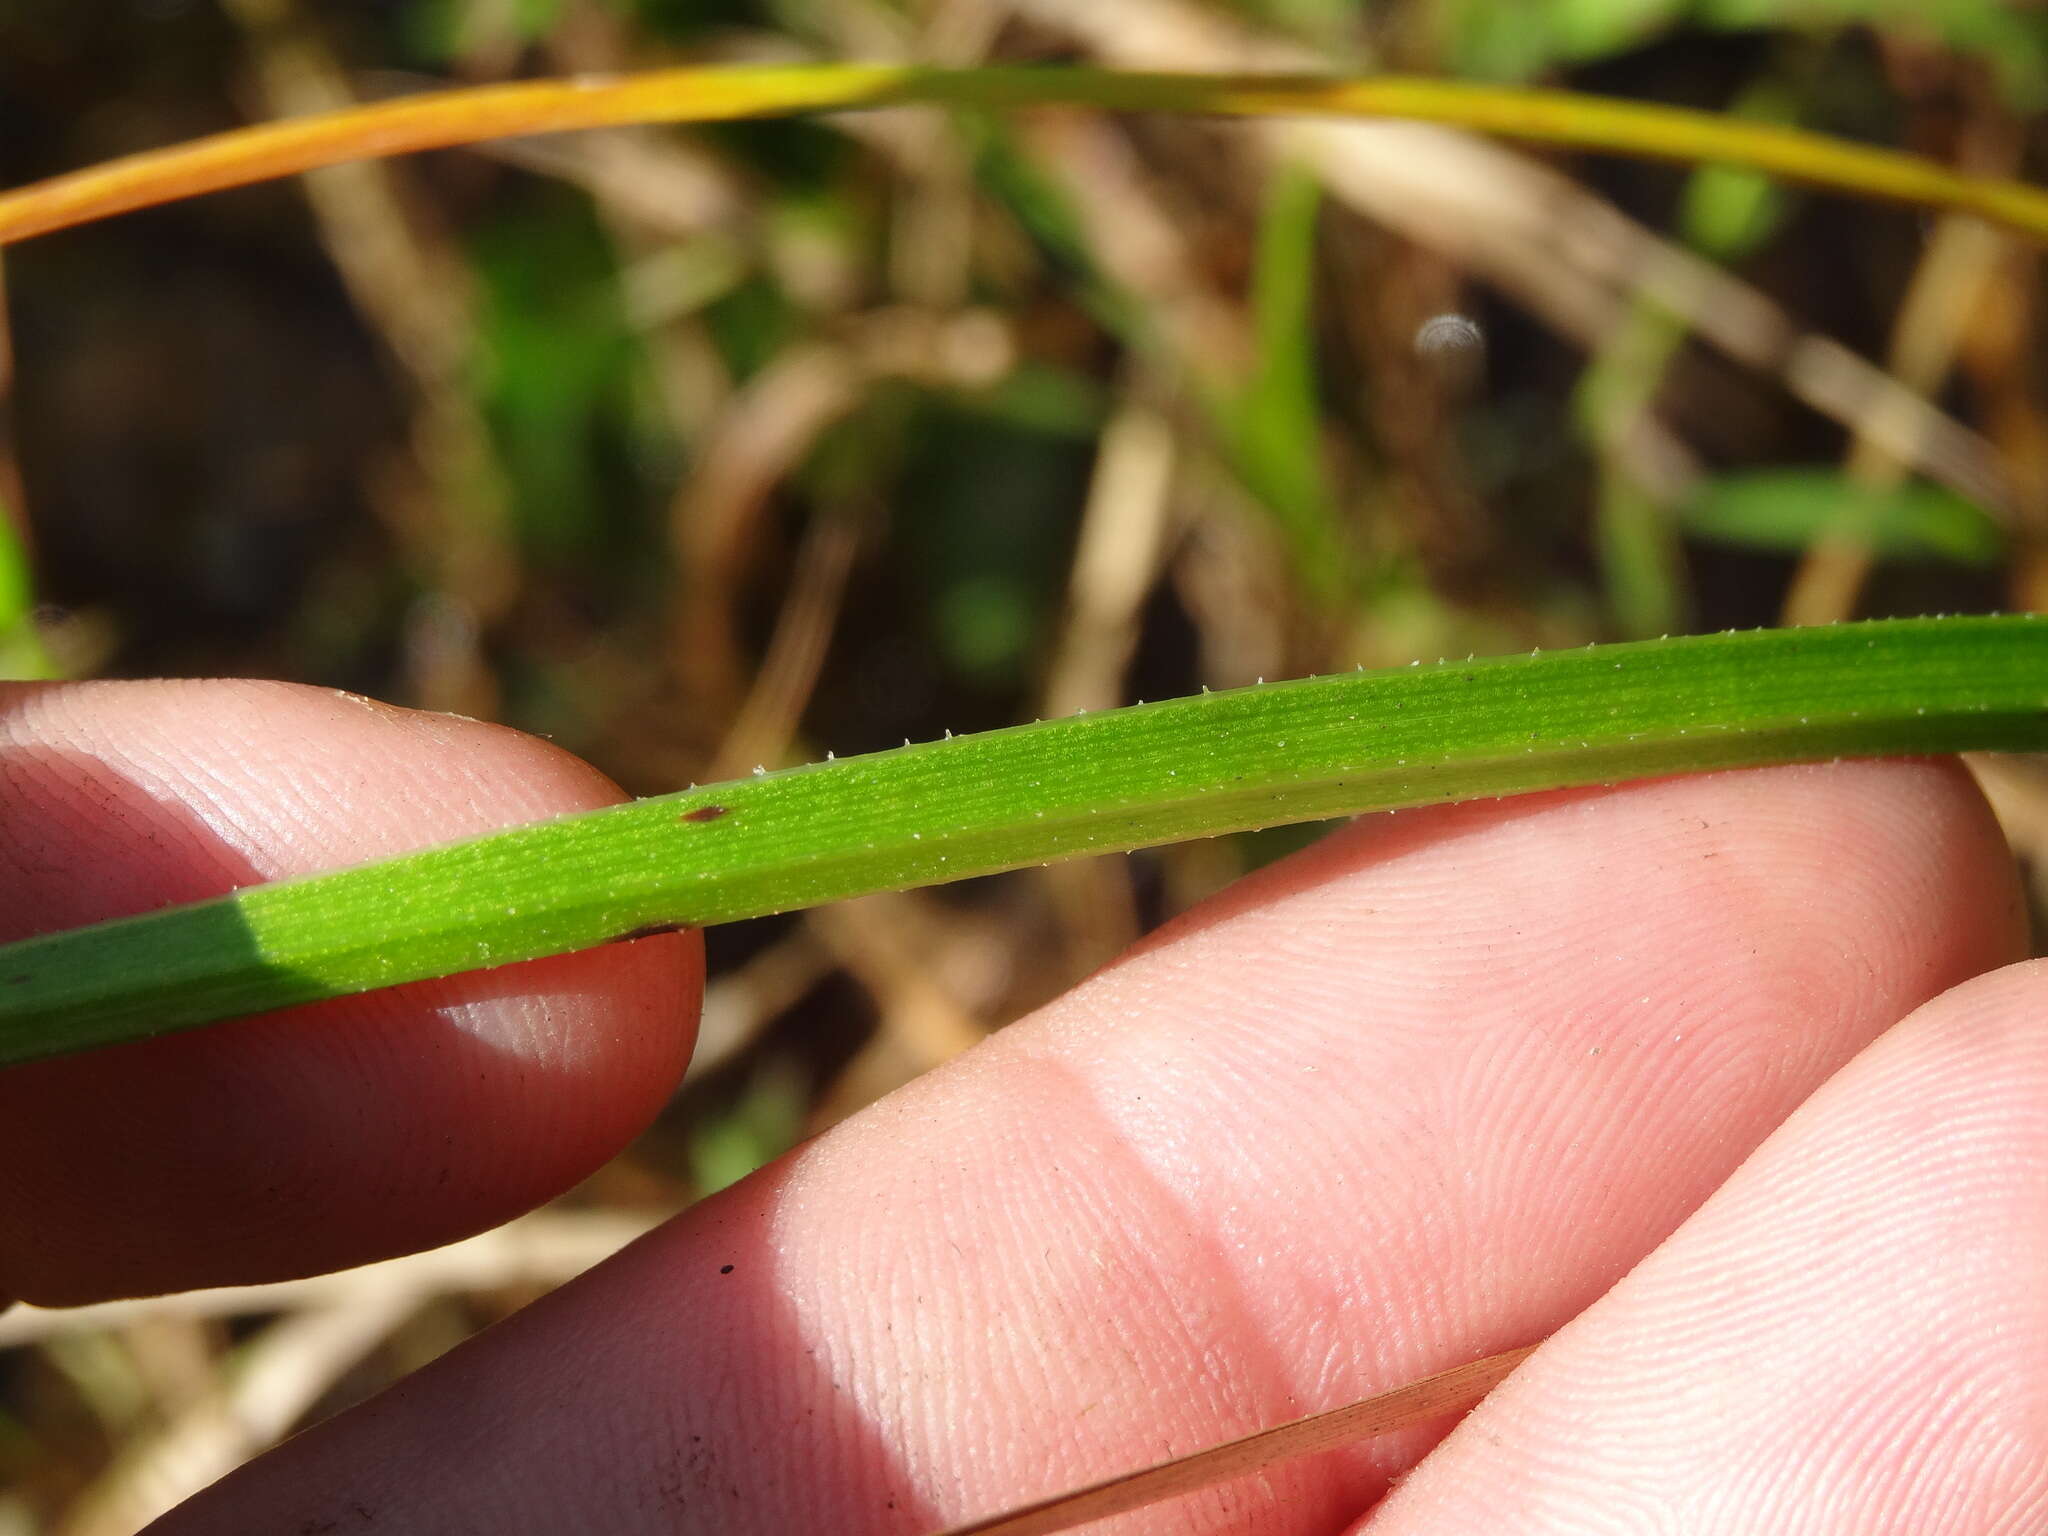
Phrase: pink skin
[1426,1091]
[1847,1338]
[323,1136]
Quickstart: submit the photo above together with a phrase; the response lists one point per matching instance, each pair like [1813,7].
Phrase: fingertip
[1843,1339]
[323,1136]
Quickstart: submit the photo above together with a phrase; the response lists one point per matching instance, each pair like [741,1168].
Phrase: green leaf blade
[976,805]
[1789,510]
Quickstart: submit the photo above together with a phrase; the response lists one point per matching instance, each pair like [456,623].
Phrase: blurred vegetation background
[697,450]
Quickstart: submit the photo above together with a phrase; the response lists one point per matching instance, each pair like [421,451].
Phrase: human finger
[1846,1339]
[1419,1094]
[316,1137]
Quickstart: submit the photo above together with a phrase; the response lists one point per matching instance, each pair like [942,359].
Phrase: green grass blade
[1272,425]
[1122,779]
[21,649]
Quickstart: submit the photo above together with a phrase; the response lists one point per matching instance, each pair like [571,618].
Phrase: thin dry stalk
[1962,259]
[2002,355]
[2017,789]
[1447,1392]
[1117,559]
[1139,242]
[765,431]
[330,1323]
[545,1248]
[960,32]
[741,1004]
[931,243]
[175,1358]
[766,726]
[910,955]
[670,187]
[280,1375]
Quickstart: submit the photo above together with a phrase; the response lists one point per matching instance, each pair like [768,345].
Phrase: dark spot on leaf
[725,1269]
[705,813]
[16,981]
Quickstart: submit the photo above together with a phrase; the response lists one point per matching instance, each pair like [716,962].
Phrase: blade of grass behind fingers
[1121,779]
[1451,1391]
